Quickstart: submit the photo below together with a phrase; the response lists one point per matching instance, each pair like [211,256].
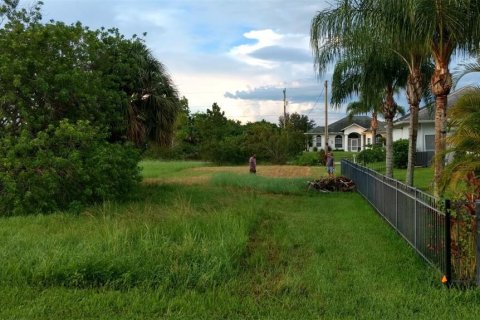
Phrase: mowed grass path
[228,245]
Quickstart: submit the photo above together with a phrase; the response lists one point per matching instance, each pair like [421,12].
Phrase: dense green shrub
[374,154]
[307,159]
[63,167]
[230,151]
[400,153]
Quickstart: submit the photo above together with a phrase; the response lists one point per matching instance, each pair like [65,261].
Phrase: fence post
[396,204]
[448,244]
[415,217]
[477,216]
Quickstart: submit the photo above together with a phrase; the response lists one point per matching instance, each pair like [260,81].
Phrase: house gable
[427,115]
[426,123]
[353,128]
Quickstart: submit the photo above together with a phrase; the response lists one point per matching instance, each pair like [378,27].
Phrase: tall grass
[155,168]
[259,183]
[115,248]
[239,247]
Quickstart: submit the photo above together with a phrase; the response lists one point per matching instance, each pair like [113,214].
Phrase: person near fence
[330,163]
[253,163]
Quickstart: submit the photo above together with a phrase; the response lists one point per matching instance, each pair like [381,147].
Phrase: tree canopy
[73,102]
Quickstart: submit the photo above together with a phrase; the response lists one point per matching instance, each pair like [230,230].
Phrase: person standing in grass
[330,163]
[253,163]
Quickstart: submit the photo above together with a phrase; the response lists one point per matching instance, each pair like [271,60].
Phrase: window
[429,142]
[318,141]
[338,142]
[369,141]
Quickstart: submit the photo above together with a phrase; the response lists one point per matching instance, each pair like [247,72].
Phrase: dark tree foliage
[218,136]
[297,122]
[55,71]
[71,101]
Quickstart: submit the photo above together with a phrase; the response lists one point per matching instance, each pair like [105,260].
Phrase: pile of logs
[329,184]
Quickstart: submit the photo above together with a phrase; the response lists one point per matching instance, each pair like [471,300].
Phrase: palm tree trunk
[412,144]
[414,94]
[389,148]
[389,110]
[374,125]
[441,84]
[440,133]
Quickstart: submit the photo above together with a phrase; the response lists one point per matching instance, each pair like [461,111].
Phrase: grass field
[202,242]
[422,179]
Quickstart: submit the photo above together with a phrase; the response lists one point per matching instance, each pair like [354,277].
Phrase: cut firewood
[330,184]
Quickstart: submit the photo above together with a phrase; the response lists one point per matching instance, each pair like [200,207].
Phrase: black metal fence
[417,216]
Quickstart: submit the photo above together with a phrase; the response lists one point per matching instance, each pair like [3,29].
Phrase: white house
[426,123]
[354,133]
[349,134]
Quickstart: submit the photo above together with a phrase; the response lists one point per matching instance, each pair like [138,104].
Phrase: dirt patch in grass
[201,175]
[269,171]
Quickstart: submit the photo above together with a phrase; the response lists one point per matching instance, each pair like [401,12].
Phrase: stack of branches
[329,184]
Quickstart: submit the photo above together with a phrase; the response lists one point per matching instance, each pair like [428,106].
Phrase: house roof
[426,114]
[340,125]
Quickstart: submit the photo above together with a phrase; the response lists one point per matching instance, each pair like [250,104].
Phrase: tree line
[211,136]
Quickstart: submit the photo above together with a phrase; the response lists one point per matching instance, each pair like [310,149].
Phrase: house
[426,123]
[349,134]
[426,128]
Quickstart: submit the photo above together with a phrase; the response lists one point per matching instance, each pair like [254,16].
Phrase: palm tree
[446,26]
[374,77]
[465,140]
[352,28]
[414,29]
[154,101]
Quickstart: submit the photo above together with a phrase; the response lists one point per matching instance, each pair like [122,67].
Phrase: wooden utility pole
[284,107]
[326,115]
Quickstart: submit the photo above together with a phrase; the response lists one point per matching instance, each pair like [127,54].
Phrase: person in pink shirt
[253,163]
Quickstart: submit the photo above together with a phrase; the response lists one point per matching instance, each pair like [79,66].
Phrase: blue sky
[240,54]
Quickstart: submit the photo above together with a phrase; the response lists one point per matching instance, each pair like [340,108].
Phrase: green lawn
[236,246]
[422,177]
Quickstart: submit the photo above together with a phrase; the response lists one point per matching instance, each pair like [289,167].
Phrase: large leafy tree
[55,71]
[217,136]
[296,121]
[65,95]
[268,141]
[295,128]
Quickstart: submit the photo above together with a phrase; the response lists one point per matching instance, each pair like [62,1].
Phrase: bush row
[63,168]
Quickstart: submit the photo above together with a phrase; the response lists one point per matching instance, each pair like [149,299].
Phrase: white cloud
[211,47]
[264,38]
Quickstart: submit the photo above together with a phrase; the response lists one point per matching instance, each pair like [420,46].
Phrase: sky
[240,54]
